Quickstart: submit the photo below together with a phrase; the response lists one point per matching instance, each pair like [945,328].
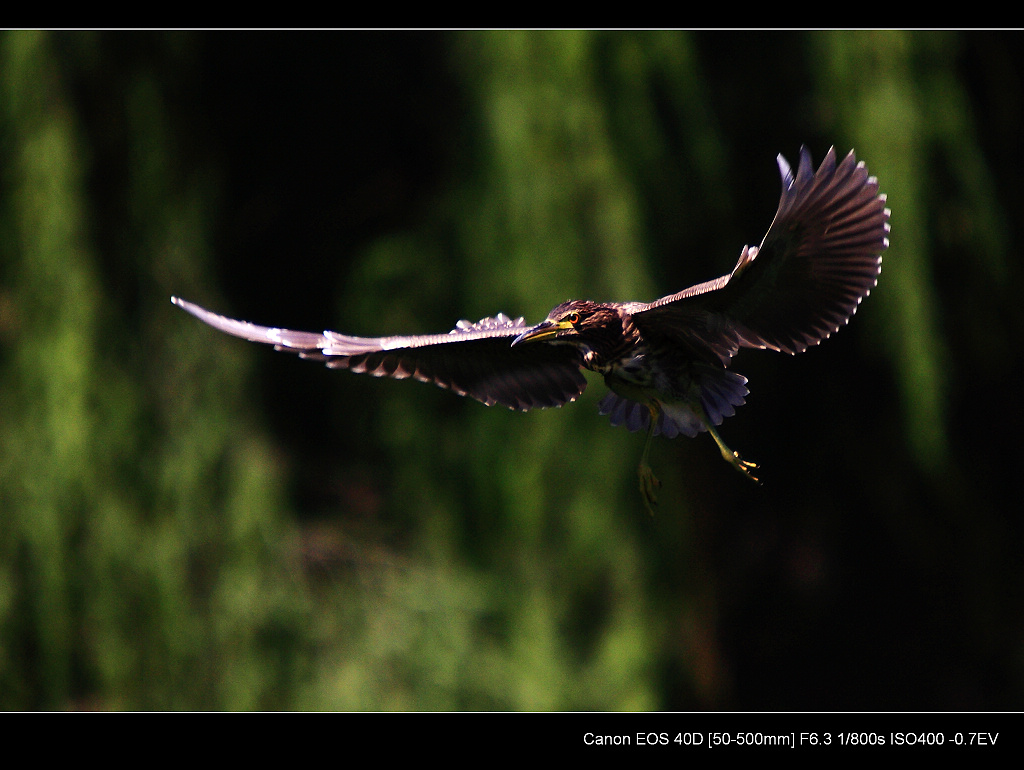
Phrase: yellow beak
[545,330]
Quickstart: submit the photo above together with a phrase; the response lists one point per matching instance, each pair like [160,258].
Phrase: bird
[667,363]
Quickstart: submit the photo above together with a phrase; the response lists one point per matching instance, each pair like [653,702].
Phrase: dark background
[188,521]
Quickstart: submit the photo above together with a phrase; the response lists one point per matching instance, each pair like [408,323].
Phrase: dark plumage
[666,362]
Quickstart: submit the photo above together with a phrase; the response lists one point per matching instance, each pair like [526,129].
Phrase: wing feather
[473,359]
[820,258]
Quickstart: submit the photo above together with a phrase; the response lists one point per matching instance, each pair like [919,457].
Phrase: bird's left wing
[820,258]
[473,359]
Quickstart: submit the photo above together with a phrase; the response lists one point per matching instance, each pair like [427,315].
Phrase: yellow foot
[648,484]
[745,467]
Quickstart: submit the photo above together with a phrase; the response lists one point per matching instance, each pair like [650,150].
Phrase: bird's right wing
[473,359]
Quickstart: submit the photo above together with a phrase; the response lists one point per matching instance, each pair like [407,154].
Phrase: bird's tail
[717,393]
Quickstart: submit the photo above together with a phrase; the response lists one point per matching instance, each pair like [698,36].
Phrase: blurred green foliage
[190,522]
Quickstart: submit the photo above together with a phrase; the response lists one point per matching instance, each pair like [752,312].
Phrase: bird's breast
[631,373]
[633,368]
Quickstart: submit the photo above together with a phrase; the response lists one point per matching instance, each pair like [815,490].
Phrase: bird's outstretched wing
[473,359]
[820,258]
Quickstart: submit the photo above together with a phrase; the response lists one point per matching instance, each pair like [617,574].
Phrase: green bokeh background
[188,521]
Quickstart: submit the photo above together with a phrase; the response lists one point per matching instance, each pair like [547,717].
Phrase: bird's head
[581,323]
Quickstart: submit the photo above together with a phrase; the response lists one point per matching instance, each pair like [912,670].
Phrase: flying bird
[667,362]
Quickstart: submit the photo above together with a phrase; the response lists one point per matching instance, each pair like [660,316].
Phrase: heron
[667,363]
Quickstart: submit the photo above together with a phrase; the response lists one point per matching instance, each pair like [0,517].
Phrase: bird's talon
[746,467]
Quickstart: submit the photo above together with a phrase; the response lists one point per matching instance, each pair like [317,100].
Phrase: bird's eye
[573,318]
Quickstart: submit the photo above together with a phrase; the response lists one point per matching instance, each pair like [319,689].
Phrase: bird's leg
[745,467]
[648,481]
